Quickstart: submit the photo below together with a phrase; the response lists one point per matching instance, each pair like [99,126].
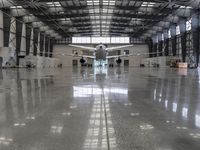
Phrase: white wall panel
[137,59]
[43,62]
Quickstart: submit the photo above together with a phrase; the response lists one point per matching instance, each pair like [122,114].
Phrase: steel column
[155,46]
[166,42]
[150,45]
[38,43]
[51,47]
[46,46]
[195,35]
[23,41]
[173,37]
[35,41]
[19,26]
[160,44]
[167,47]
[183,39]
[41,43]
[28,38]
[6,27]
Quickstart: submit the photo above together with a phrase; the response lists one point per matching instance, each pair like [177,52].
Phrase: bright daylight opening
[104,40]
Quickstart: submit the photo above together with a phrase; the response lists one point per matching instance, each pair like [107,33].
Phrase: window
[137,41]
[189,25]
[169,34]
[178,30]
[163,37]
[148,4]
[104,40]
[126,52]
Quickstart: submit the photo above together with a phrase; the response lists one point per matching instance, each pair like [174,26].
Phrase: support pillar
[183,39]
[195,35]
[12,43]
[160,44]
[12,36]
[23,41]
[38,43]
[18,38]
[41,43]
[51,48]
[35,41]
[6,27]
[150,45]
[166,42]
[1,29]
[155,46]
[28,38]
[32,42]
[46,46]
[173,37]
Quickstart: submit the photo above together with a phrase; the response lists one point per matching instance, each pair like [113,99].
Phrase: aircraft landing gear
[111,65]
[89,65]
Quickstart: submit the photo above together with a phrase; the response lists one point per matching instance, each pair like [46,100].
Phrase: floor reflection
[179,97]
[20,100]
[101,133]
[84,108]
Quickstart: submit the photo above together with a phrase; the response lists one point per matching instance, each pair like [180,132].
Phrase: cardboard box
[183,65]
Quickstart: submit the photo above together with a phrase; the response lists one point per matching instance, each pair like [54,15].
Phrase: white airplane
[100,53]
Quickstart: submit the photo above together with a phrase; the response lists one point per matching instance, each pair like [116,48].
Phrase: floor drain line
[106,121]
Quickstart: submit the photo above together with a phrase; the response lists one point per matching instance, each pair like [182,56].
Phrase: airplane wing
[75,55]
[117,56]
[84,56]
[118,47]
[83,47]
[131,55]
[138,54]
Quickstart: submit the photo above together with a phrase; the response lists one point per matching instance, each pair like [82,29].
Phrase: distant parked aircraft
[100,53]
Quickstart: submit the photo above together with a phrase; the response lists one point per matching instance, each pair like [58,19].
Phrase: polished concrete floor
[100,109]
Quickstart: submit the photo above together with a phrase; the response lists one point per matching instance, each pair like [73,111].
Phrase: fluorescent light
[52,4]
[148,4]
[16,7]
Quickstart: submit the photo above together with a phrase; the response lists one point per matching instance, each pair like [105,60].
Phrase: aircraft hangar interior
[99,75]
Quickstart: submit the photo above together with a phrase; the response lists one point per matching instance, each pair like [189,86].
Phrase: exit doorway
[126,62]
[75,63]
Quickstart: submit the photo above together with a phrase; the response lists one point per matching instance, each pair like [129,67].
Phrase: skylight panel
[100,15]
[178,30]
[186,7]
[112,3]
[16,7]
[189,25]
[103,39]
[53,4]
[89,3]
[148,4]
